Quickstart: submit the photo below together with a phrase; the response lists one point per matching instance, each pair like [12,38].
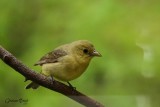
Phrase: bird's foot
[70,85]
[52,79]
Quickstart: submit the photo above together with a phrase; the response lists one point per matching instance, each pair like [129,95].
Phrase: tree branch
[59,87]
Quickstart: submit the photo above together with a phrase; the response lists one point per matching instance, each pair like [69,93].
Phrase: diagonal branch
[59,87]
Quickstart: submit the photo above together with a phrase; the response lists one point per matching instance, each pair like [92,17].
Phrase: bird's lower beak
[95,53]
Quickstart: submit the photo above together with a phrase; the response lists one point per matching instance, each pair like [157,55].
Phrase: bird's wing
[51,57]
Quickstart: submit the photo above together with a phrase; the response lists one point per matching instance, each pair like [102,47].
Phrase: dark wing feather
[51,57]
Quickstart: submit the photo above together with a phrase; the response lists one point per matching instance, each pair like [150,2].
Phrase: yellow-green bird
[67,62]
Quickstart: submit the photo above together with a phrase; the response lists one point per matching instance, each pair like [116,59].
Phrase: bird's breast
[66,69]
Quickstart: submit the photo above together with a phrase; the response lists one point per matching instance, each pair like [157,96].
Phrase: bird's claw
[73,88]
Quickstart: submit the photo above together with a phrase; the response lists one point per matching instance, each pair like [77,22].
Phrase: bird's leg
[70,85]
[52,79]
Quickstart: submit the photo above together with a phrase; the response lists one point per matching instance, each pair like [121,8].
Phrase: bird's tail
[32,85]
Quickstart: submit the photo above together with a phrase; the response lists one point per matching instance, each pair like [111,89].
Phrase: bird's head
[84,50]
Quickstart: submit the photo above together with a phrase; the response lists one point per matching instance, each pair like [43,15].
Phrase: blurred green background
[125,32]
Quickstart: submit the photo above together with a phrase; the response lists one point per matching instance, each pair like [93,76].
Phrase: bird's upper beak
[95,53]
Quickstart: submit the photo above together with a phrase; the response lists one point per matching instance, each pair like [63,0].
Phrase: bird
[66,62]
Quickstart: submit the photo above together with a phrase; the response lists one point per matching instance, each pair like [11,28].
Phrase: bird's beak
[95,53]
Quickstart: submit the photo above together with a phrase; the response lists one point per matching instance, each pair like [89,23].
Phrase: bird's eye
[85,51]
